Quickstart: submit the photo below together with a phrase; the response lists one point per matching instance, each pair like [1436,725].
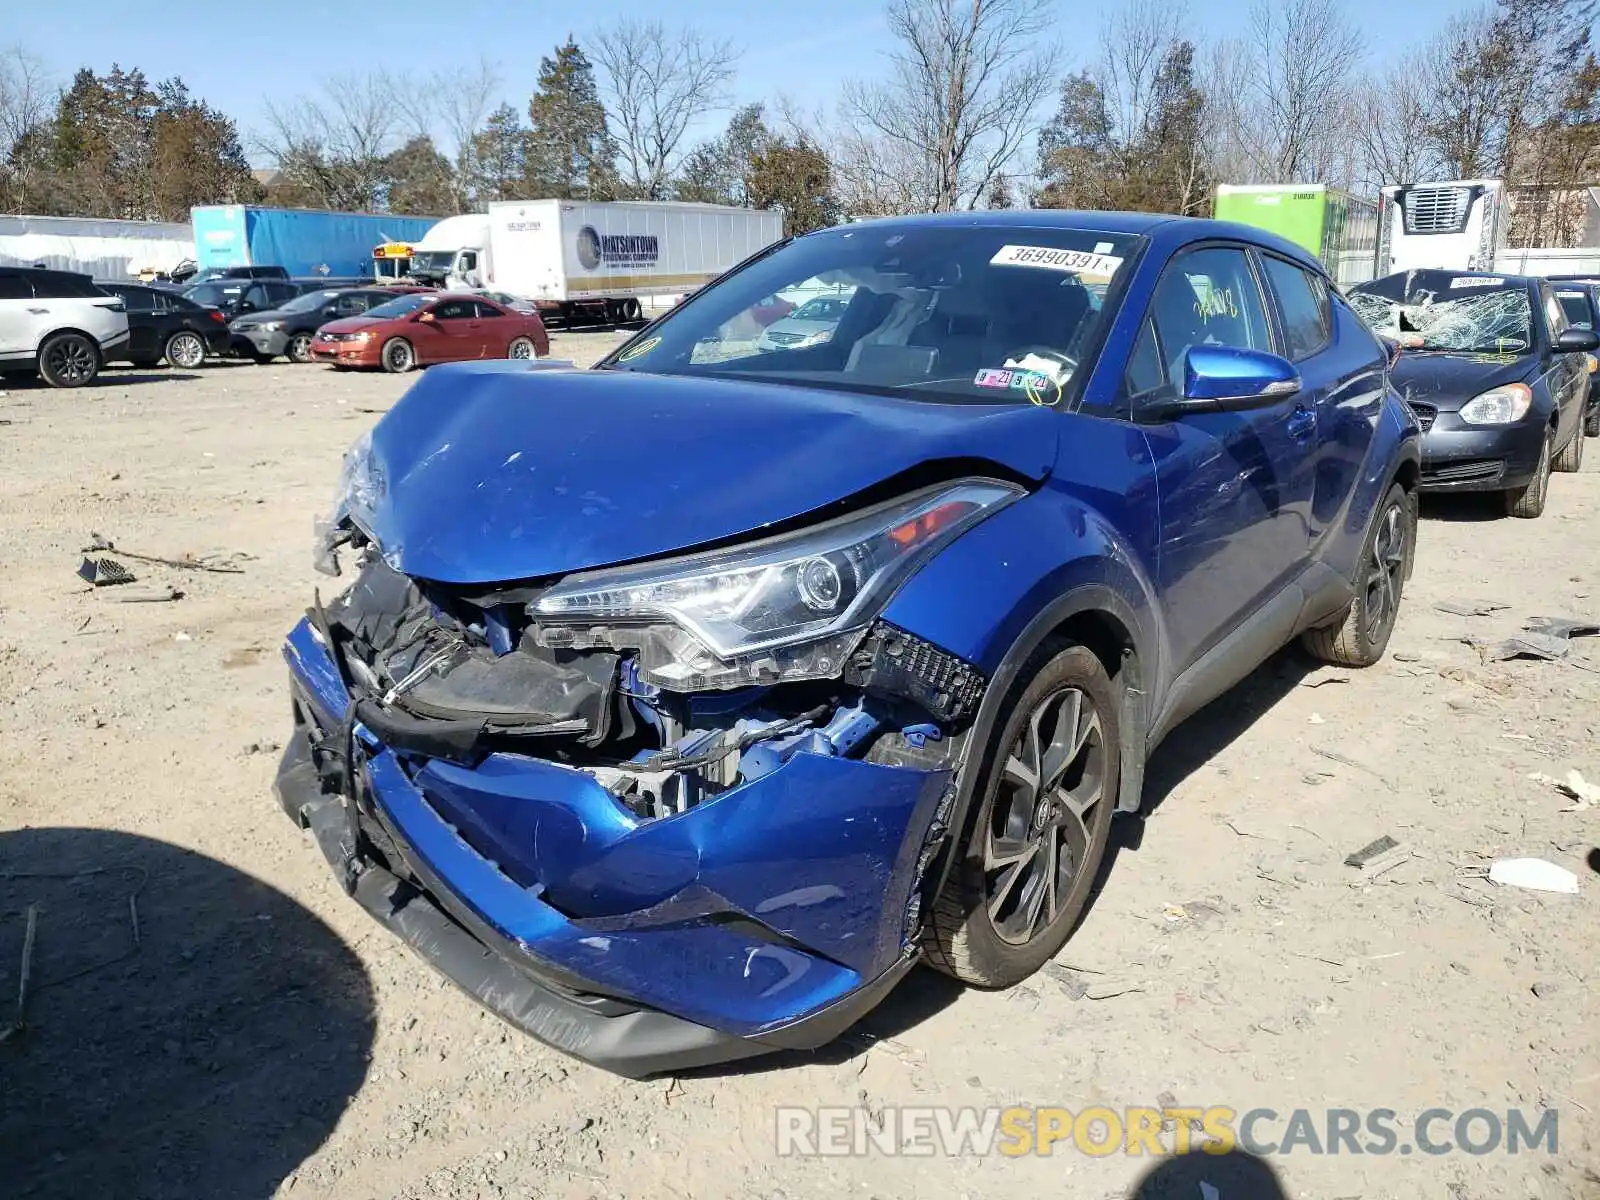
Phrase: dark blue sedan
[678,707]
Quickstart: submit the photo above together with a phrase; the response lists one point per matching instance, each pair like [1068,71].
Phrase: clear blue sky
[236,57]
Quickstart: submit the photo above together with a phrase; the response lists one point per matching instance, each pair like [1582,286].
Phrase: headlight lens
[361,486]
[1498,406]
[271,326]
[764,601]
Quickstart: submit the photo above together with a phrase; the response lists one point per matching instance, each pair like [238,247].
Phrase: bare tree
[1134,42]
[449,108]
[1282,94]
[1392,122]
[25,95]
[1465,70]
[964,88]
[655,83]
[332,146]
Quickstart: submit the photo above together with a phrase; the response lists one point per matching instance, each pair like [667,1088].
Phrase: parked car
[689,701]
[211,274]
[233,297]
[58,325]
[162,325]
[289,329]
[1580,300]
[424,328]
[1495,375]
[809,325]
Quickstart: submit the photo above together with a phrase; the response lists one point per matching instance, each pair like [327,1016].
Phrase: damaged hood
[493,474]
[1447,381]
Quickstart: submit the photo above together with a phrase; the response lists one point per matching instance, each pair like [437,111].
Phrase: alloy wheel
[521,348]
[1038,840]
[300,348]
[397,356]
[70,360]
[1386,568]
[186,350]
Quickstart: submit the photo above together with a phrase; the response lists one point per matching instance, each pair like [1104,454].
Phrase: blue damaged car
[677,707]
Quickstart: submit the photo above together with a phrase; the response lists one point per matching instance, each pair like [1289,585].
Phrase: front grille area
[1425,414]
[1470,470]
[1437,209]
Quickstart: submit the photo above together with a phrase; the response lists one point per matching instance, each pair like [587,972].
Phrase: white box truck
[579,260]
[1452,225]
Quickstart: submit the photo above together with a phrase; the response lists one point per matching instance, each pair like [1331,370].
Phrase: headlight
[816,339]
[790,607]
[361,486]
[1498,406]
[271,326]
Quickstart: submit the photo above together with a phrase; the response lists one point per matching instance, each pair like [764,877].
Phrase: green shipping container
[1340,229]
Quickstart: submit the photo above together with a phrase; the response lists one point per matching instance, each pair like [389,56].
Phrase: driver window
[1206,297]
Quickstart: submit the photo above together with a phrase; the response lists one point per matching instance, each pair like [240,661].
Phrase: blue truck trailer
[303,241]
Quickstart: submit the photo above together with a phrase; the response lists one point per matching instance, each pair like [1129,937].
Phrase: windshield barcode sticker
[1079,262]
[1469,281]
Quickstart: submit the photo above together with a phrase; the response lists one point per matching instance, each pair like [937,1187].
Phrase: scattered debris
[1071,982]
[1535,874]
[1544,988]
[27,971]
[1335,756]
[181,636]
[1585,794]
[1377,857]
[149,595]
[261,748]
[1323,681]
[1468,608]
[98,542]
[1522,645]
[1562,627]
[104,572]
[1317,719]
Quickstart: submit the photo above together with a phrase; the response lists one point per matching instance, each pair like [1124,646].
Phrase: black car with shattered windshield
[1495,373]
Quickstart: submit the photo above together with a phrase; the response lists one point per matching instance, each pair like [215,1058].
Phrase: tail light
[218,317]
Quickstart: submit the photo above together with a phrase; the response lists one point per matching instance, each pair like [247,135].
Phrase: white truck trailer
[105,249]
[578,260]
[1453,225]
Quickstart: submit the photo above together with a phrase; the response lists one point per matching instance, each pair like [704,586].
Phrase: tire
[69,360]
[1591,423]
[1571,457]
[299,348]
[186,349]
[1527,501]
[995,924]
[522,347]
[1359,638]
[631,311]
[397,356]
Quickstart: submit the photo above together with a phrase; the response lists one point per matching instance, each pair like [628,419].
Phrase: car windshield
[1496,320]
[1575,303]
[217,294]
[977,315]
[307,301]
[432,260]
[398,307]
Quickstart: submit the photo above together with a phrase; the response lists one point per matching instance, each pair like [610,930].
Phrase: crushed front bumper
[770,918]
[261,343]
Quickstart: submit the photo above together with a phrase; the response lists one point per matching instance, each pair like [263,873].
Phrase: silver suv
[57,324]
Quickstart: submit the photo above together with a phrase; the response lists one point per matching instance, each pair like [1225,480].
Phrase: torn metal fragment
[1562,627]
[104,572]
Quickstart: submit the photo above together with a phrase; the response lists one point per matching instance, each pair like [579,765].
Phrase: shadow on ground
[200,1043]
[1201,1176]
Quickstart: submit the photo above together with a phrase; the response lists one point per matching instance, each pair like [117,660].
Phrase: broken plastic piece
[1468,608]
[104,572]
[1523,645]
[1378,855]
[1585,795]
[1535,874]
[1562,627]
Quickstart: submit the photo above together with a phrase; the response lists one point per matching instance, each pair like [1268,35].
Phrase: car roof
[1164,228]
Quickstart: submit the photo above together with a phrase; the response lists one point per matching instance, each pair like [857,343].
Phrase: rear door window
[1303,305]
[15,286]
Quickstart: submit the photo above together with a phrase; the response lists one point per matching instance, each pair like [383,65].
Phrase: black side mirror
[1577,341]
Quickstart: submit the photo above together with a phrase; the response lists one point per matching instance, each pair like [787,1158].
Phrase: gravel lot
[261,1037]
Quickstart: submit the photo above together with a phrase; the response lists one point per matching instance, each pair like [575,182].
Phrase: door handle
[1302,422]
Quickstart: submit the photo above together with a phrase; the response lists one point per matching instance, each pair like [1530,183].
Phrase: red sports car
[425,327]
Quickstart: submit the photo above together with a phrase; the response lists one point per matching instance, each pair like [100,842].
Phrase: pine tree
[571,154]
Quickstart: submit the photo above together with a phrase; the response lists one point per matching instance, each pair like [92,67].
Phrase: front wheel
[521,347]
[398,356]
[186,350]
[1528,500]
[1591,423]
[69,360]
[299,348]
[1360,639]
[1041,828]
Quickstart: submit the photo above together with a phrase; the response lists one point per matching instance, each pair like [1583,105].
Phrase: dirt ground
[243,1030]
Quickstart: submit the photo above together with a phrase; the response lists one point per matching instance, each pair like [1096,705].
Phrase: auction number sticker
[1079,262]
[1468,281]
